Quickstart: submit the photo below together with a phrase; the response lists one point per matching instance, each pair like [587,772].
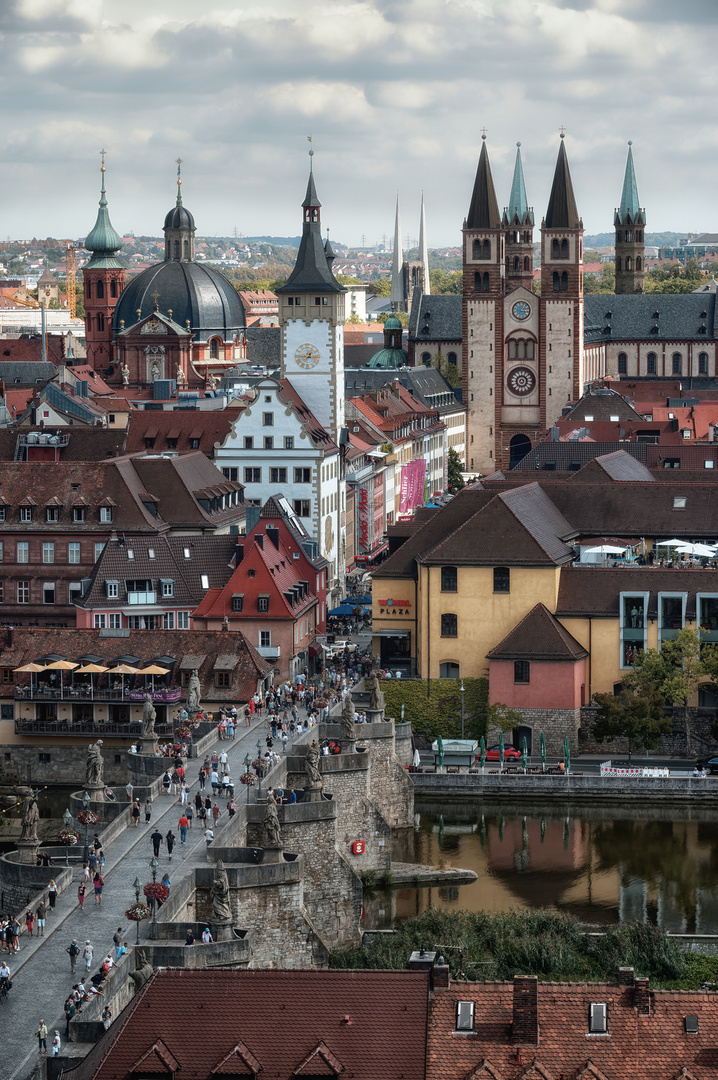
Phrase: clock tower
[311,315]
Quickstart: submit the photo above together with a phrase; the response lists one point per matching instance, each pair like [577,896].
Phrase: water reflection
[602,865]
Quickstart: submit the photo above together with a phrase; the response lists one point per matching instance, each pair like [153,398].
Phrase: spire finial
[518,144]
[562,129]
[179,181]
[311,153]
[103,200]
[102,156]
[630,142]
[483,134]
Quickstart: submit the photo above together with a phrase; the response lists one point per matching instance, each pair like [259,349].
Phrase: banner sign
[365,520]
[412,484]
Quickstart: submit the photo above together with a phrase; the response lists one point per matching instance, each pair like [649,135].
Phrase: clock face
[521,310]
[307,356]
[521,381]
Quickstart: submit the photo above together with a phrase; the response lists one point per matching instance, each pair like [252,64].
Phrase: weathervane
[311,152]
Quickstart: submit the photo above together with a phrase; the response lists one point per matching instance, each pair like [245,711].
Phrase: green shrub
[437,711]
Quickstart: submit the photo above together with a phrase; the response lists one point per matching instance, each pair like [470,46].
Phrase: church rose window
[521,381]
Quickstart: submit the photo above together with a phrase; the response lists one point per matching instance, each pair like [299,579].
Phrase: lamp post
[137,885]
[86,800]
[67,819]
[461,691]
[154,863]
[259,771]
[247,763]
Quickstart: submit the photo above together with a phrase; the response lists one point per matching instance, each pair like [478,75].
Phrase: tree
[443,282]
[402,316]
[381,286]
[605,282]
[636,714]
[502,717]
[674,672]
[455,467]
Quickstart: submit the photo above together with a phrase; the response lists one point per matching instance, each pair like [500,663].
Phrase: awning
[373,555]
[390,633]
[226,662]
[343,609]
[191,661]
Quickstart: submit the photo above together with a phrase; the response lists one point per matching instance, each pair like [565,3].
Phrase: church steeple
[312,271]
[179,228]
[423,250]
[562,236]
[518,221]
[484,209]
[562,212]
[629,221]
[103,279]
[102,240]
[397,264]
[484,238]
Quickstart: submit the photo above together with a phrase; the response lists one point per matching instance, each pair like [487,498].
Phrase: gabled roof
[158,1060]
[539,636]
[565,456]
[318,434]
[435,318]
[484,209]
[209,427]
[652,317]
[601,403]
[562,212]
[618,465]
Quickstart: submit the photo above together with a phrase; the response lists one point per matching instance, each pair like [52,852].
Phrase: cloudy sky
[394,92]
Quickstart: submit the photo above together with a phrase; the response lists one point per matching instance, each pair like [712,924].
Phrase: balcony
[26,726]
[142,597]
[84,693]
[269,652]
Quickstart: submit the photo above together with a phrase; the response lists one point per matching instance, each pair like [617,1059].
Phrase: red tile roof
[365,1024]
[539,636]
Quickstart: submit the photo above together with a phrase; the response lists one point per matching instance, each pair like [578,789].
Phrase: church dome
[179,217]
[392,323]
[389,358]
[191,291]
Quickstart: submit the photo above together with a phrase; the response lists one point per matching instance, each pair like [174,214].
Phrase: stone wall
[556,724]
[390,786]
[403,743]
[66,765]
[23,885]
[332,888]
[690,736]
[516,786]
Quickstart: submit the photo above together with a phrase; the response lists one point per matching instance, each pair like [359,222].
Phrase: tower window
[564,248]
[677,363]
[622,363]
[651,363]
[214,349]
[177,249]
[486,283]
[100,290]
[527,263]
[555,250]
[703,364]
[639,264]
[100,322]
[556,280]
[628,262]
[517,263]
[619,265]
[113,288]
[564,282]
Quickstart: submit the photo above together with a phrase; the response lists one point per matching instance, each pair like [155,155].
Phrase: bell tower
[103,281]
[629,222]
[518,221]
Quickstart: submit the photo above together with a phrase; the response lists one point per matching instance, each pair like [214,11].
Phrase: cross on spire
[483,133]
[156,298]
[102,156]
[562,129]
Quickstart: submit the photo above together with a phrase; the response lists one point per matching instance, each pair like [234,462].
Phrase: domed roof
[191,291]
[103,240]
[179,217]
[392,323]
[389,358]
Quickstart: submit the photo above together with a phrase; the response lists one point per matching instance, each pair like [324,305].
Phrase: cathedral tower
[629,222]
[518,221]
[103,281]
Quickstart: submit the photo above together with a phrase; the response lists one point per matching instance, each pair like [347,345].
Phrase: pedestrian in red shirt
[215,814]
[183,824]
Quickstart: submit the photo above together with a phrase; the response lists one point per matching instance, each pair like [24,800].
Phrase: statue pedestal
[273,855]
[27,852]
[375,716]
[97,793]
[314,794]
[221,931]
[348,745]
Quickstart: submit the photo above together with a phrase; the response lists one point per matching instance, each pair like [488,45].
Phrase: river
[601,864]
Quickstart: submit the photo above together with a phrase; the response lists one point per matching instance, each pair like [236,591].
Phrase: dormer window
[52,514]
[105,514]
[237,602]
[78,514]
[151,507]
[25,514]
[112,589]
[168,586]
[263,603]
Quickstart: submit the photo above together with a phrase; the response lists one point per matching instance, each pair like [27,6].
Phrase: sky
[395,94]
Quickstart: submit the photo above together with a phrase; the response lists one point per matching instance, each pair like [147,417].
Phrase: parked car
[709,764]
[493,753]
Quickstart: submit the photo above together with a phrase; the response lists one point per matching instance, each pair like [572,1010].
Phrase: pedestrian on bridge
[170,841]
[183,823]
[156,839]
[148,811]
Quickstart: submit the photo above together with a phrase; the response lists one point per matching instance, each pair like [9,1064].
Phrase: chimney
[525,1025]
[260,540]
[238,554]
[422,960]
[273,535]
[9,637]
[641,997]
[440,976]
[625,976]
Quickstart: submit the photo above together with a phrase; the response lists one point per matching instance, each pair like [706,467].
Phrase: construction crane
[70,274]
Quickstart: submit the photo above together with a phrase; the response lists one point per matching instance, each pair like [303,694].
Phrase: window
[237,602]
[25,513]
[187,553]
[168,587]
[222,679]
[99,548]
[3,513]
[277,476]
[113,288]
[48,592]
[633,626]
[263,603]
[448,579]
[622,363]
[183,620]
[100,622]
[23,592]
[265,639]
[78,514]
[100,322]
[105,514]
[288,442]
[302,476]
[691,1025]
[564,282]
[651,363]
[679,502]
[48,552]
[249,442]
[112,590]
[100,290]
[555,250]
[193,444]
[2,591]
[150,553]
[52,514]
[703,363]
[449,624]
[522,671]
[168,620]
[448,670]
[597,1020]
[114,621]
[231,473]
[252,476]
[204,581]
[464,1016]
[677,363]
[74,591]
[302,507]
[268,419]
[22,552]
[73,553]
[268,442]
[502,579]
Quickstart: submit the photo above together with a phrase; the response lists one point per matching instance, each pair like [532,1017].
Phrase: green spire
[102,240]
[518,203]
[629,197]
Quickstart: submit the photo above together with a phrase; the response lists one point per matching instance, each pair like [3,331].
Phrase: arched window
[555,249]
[556,281]
[629,236]
[564,248]
[452,358]
[527,238]
[521,349]
[628,262]
[113,288]
[502,578]
[185,246]
[88,288]
[487,250]
[487,287]
[564,282]
[177,249]
[214,349]
[619,265]
[517,263]
[425,357]
[703,363]
[529,350]
[677,363]
[527,263]
[512,349]
[619,236]
[448,670]
[100,290]
[477,281]
[622,363]
[639,262]
[651,363]
[100,322]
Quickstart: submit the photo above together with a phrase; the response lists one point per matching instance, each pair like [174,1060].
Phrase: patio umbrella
[697,549]
[501,750]
[153,669]
[440,751]
[670,543]
[524,753]
[567,754]
[61,665]
[32,669]
[482,750]
[604,549]
[91,669]
[122,670]
[416,762]
[543,753]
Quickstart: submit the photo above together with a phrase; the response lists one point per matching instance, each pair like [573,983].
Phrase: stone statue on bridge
[29,821]
[95,766]
[311,768]
[221,905]
[149,715]
[376,697]
[193,692]
[347,719]
[271,831]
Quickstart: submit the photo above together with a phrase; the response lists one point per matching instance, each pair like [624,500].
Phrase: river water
[601,864]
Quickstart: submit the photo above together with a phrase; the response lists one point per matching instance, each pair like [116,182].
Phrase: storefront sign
[394,607]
